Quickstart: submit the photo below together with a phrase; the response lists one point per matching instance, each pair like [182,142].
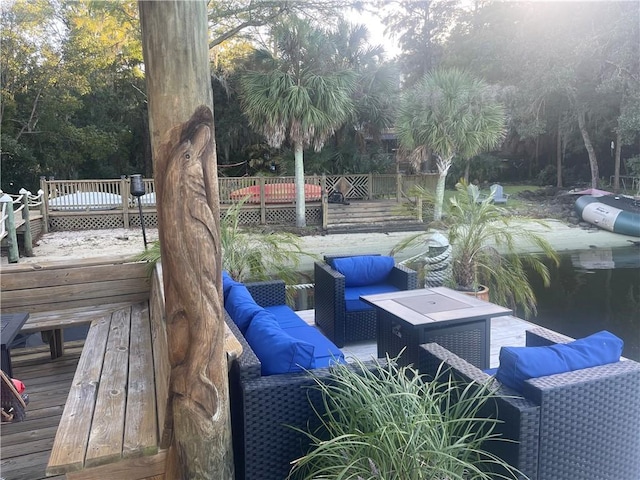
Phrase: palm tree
[452,114]
[299,96]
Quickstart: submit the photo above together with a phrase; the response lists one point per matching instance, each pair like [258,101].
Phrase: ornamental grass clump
[386,422]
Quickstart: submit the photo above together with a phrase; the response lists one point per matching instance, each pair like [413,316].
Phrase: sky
[376,31]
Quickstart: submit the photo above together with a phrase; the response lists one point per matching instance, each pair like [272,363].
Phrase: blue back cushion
[240,306]
[364,270]
[227,283]
[518,364]
[278,351]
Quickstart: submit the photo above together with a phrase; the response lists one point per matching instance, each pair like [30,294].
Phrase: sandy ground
[96,243]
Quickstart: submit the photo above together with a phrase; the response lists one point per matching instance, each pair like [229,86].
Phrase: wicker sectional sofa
[581,424]
[264,408]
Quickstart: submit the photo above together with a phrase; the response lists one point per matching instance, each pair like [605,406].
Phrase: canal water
[593,290]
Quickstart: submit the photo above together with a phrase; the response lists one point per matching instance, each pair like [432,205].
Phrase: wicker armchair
[582,424]
[338,324]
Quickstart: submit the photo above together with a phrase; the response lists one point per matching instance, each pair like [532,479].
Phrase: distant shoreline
[97,243]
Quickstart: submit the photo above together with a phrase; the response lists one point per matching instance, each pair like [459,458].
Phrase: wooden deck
[26,446]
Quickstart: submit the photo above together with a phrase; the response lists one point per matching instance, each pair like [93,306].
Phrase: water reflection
[592,290]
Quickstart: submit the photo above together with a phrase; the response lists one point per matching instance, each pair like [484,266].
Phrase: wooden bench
[64,294]
[114,422]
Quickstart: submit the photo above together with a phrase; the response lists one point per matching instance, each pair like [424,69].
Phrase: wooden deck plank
[131,469]
[83,390]
[141,427]
[25,467]
[77,295]
[107,427]
[39,321]
[20,441]
[161,366]
[73,276]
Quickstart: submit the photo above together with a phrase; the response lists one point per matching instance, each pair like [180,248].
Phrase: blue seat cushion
[240,306]
[352,302]
[277,351]
[364,269]
[325,352]
[518,364]
[286,317]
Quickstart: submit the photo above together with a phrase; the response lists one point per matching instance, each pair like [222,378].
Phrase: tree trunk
[559,155]
[616,173]
[183,148]
[593,161]
[443,169]
[301,220]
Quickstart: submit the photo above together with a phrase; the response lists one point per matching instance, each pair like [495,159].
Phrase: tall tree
[357,147]
[71,91]
[233,18]
[571,67]
[421,28]
[176,54]
[297,96]
[452,114]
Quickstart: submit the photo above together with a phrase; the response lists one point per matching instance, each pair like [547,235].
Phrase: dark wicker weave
[337,324]
[264,408]
[468,339]
[582,425]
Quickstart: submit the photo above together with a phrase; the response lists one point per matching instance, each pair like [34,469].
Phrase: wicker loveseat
[580,424]
[265,407]
[338,311]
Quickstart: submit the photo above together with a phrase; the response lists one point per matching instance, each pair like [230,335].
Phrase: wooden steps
[370,216]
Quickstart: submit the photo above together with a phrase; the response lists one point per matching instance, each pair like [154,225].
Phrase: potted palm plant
[486,250]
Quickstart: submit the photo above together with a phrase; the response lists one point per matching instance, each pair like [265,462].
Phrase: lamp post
[137,190]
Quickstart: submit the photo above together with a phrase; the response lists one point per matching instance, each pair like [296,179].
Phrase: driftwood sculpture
[188,217]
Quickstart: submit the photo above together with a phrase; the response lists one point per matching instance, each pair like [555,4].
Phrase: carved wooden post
[175,47]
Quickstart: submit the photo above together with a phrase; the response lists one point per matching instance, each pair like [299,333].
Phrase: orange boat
[277,193]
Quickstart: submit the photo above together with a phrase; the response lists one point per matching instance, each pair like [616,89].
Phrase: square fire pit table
[458,322]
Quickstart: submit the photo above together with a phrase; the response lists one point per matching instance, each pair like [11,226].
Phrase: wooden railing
[16,217]
[87,195]
[88,204]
